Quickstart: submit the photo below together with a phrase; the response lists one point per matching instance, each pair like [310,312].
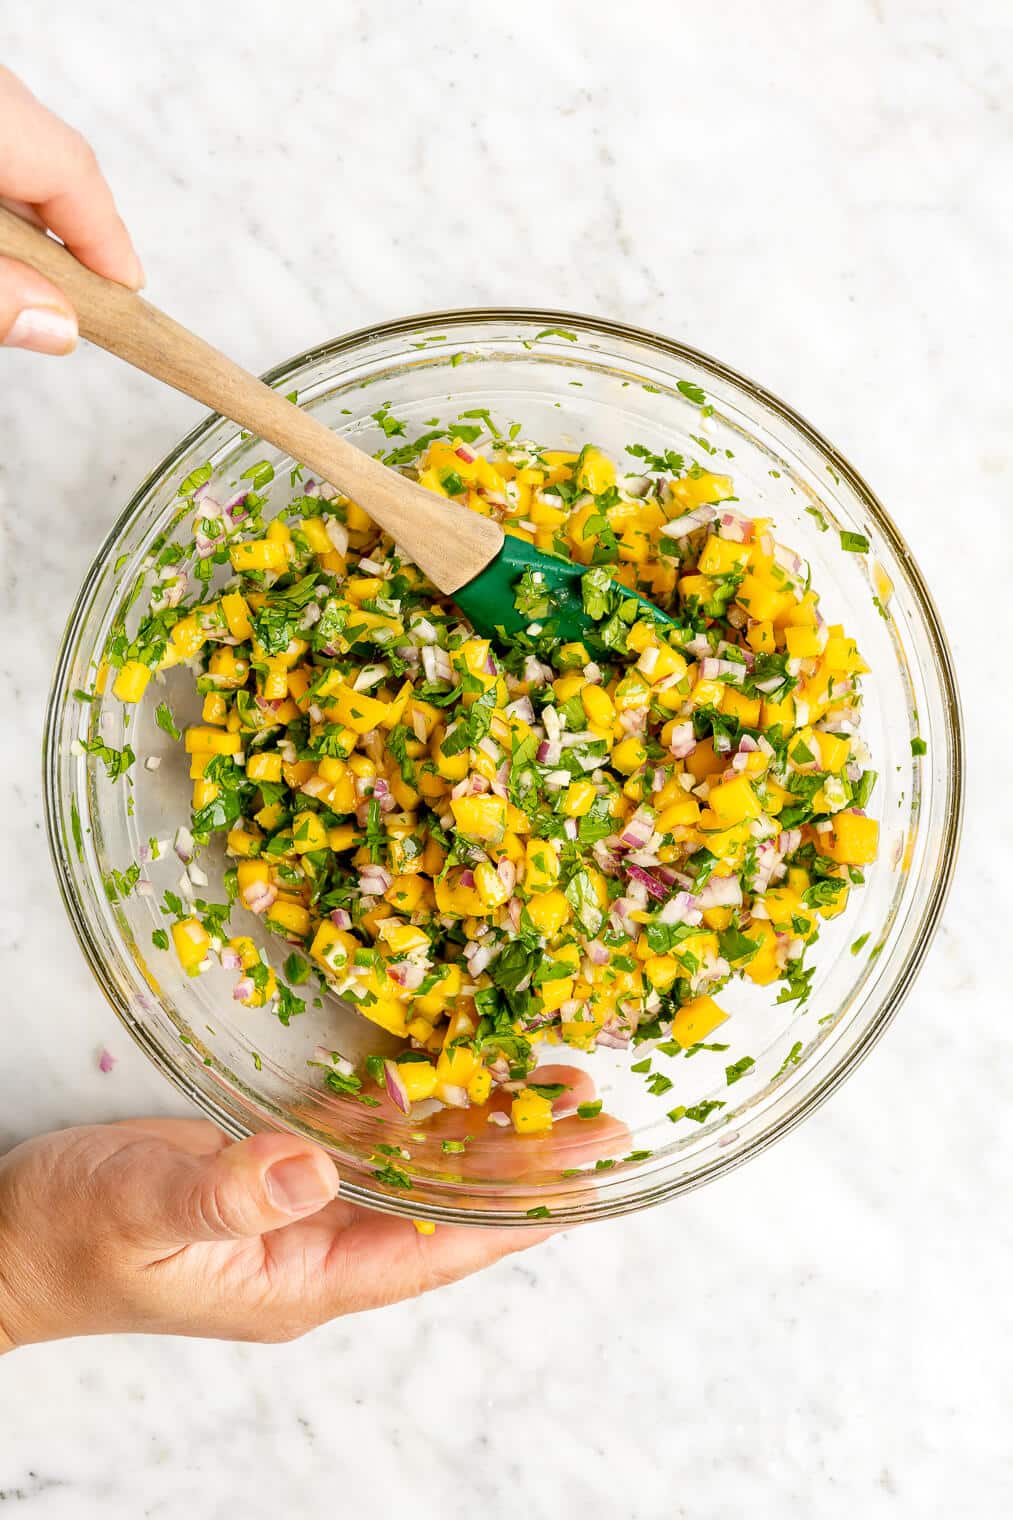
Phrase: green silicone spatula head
[489,600]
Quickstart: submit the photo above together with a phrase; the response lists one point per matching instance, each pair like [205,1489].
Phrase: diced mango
[696,1019]
[855,839]
[131,681]
[481,817]
[531,1113]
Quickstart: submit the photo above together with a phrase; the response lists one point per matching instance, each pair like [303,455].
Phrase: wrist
[15,1317]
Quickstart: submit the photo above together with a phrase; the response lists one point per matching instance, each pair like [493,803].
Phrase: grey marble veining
[823,196]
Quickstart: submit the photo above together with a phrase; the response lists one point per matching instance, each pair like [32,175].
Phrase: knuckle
[82,154]
[216,1209]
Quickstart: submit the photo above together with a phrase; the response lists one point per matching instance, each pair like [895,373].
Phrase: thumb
[34,313]
[264,1183]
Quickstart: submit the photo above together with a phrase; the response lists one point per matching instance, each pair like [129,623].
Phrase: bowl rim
[944,671]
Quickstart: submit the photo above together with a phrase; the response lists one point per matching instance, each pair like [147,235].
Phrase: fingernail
[301,1184]
[43,330]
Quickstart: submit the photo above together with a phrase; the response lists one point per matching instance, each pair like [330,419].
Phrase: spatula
[464,554]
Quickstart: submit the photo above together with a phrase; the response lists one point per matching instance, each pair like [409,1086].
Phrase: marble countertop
[823,196]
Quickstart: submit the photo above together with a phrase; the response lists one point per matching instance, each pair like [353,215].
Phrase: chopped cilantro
[165,720]
[738,1069]
[854,543]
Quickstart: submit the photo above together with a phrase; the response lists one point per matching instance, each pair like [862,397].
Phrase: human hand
[49,174]
[165,1226]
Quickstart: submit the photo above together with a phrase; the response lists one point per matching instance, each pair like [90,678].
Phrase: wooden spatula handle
[448,542]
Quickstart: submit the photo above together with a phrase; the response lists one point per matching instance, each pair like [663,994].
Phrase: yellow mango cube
[734,801]
[308,832]
[259,554]
[480,817]
[549,911]
[192,942]
[237,615]
[131,681]
[855,839]
[696,1019]
[211,741]
[531,1113]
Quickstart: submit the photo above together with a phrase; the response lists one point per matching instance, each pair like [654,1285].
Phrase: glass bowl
[567,380]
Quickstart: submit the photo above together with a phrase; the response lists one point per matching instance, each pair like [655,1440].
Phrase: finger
[199,1137]
[51,167]
[381,1260]
[169,1197]
[33,313]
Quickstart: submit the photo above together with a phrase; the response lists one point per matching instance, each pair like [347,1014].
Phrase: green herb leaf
[738,1069]
[165,720]
[854,543]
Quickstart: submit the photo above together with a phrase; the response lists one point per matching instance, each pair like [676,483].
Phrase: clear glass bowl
[567,380]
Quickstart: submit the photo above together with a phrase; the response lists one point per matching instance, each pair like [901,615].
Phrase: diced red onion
[423,631]
[688,523]
[183,844]
[607,860]
[258,896]
[682,741]
[522,709]
[680,909]
[537,674]
[711,668]
[230,959]
[370,675]
[315,786]
[736,529]
[612,1039]
[244,988]
[597,953]
[106,1060]
[479,958]
[467,879]
[337,533]
[374,880]
[789,560]
[407,974]
[721,892]
[419,726]
[655,887]
[397,1092]
[454,1096]
[467,454]
[638,829]
[549,753]
[340,918]
[789,841]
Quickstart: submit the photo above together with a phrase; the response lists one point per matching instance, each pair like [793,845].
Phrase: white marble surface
[822,194]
